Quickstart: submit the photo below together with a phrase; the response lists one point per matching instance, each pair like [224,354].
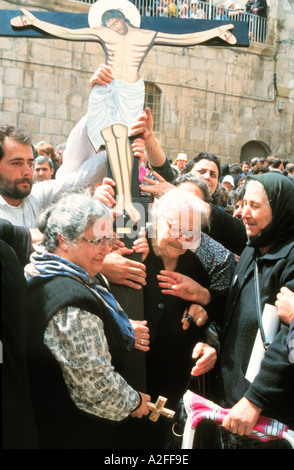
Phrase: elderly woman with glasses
[173,235]
[79,337]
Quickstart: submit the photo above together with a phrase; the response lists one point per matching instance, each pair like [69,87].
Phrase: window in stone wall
[153,101]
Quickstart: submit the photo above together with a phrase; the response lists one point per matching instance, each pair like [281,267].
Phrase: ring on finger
[189,318]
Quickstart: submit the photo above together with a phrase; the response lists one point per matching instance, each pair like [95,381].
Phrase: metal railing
[201,10]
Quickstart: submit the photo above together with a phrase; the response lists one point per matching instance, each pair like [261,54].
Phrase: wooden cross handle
[158,409]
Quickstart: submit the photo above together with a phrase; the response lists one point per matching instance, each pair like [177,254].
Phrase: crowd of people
[203,9]
[253,11]
[80,369]
[233,177]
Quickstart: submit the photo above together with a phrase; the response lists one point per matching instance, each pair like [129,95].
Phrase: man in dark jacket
[18,426]
[257,7]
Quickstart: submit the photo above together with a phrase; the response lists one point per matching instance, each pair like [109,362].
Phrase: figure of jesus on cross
[115,24]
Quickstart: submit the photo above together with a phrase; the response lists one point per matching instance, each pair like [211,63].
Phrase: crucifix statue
[115,24]
[126,39]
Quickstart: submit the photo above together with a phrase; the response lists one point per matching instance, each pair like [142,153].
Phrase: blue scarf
[50,265]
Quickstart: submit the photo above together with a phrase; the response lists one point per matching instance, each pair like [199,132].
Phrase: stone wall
[45,82]
[213,98]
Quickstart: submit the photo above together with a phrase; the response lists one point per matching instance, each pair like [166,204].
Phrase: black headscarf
[280,192]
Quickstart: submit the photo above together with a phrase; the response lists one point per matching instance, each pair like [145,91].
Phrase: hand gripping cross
[158,409]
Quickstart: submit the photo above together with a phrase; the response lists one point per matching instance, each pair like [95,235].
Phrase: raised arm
[190,39]
[154,151]
[29,20]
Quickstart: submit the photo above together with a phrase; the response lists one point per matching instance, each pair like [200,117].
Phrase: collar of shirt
[5,203]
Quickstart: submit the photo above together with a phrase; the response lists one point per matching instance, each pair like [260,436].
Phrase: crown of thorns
[114,13]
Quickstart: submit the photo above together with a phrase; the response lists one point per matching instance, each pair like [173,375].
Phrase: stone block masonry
[212,98]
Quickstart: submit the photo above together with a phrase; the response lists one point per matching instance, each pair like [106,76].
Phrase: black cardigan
[273,388]
[61,425]
[169,361]
[18,426]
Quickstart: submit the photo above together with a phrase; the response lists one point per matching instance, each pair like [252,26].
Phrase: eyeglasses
[179,232]
[100,241]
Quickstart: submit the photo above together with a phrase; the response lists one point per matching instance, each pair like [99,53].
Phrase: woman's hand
[102,76]
[285,305]
[143,126]
[141,333]
[184,287]
[206,359]
[105,192]
[141,245]
[138,149]
[194,313]
[242,418]
[158,186]
[120,270]
[143,410]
